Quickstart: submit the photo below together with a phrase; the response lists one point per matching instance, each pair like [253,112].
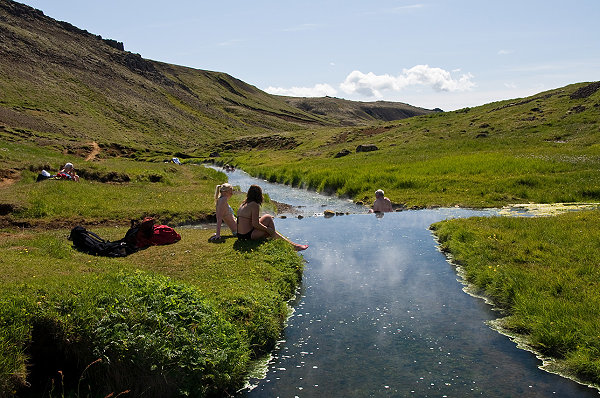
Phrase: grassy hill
[64,90]
[349,112]
[63,86]
[66,93]
[542,148]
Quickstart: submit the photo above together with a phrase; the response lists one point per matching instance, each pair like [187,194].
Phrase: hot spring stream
[381,313]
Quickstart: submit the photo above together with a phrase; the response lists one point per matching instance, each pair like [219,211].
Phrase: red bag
[153,235]
[164,235]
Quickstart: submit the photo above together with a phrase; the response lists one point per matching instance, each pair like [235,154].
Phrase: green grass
[531,150]
[171,193]
[544,272]
[178,319]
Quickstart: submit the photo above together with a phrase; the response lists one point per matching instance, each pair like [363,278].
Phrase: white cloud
[504,52]
[318,90]
[372,85]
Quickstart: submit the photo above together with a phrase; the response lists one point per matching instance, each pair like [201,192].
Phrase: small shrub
[591,193]
[151,177]
[151,334]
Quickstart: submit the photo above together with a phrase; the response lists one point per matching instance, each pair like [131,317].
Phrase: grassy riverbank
[540,149]
[544,273]
[178,319]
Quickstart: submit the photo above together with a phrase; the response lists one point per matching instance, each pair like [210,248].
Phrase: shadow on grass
[221,239]
[248,245]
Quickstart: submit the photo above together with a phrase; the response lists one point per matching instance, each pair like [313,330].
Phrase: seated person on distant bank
[381,204]
[224,211]
[68,173]
[251,226]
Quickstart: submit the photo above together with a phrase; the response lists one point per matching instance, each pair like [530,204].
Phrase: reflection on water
[381,313]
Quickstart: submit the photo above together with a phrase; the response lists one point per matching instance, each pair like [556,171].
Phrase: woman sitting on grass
[251,226]
[68,173]
[224,211]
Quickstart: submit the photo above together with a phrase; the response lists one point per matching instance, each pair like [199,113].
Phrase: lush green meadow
[111,190]
[180,319]
[542,149]
[545,274]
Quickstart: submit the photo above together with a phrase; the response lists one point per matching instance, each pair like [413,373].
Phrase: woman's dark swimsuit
[247,235]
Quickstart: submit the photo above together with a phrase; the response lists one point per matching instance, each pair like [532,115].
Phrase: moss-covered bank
[544,273]
[183,319]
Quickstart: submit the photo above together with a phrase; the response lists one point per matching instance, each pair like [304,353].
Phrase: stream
[381,312]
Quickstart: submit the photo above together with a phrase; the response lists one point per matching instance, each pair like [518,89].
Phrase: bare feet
[299,247]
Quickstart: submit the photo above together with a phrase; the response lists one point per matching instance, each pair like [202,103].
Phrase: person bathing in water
[224,211]
[250,226]
[381,204]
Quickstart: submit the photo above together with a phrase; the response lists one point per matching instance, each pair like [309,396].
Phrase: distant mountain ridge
[58,81]
[349,111]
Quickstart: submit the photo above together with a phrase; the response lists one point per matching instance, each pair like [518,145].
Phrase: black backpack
[88,242]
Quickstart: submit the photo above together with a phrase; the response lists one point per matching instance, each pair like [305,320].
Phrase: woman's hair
[222,188]
[254,195]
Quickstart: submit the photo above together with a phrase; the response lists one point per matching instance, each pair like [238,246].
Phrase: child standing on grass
[224,212]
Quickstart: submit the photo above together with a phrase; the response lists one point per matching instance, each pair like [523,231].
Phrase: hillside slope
[58,81]
[542,149]
[348,112]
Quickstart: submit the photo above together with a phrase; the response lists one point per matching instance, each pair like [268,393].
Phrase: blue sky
[448,54]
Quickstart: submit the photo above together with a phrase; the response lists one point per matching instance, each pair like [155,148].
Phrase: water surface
[382,313]
[305,202]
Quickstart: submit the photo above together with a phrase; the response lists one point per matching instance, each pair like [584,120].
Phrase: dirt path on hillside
[4,182]
[95,151]
[8,177]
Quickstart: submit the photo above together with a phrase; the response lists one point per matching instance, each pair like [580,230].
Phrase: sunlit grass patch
[169,192]
[544,273]
[178,319]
